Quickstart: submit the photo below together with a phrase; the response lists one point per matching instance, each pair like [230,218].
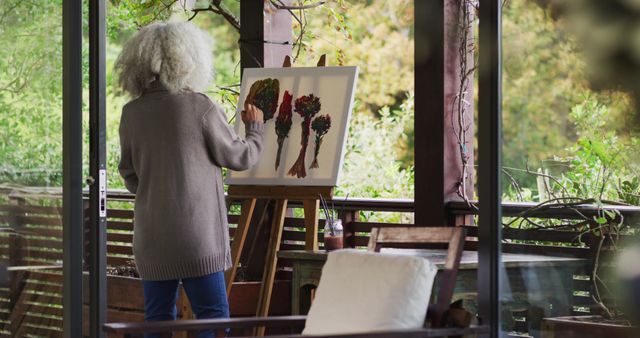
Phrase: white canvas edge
[258,72]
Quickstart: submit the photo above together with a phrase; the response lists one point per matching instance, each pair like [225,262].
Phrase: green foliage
[371,168]
[598,166]
[543,79]
[596,155]
[377,36]
[30,95]
[130,14]
[628,190]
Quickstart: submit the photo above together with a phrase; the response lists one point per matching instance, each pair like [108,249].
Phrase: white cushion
[364,292]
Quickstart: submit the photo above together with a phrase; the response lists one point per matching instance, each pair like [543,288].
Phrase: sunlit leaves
[30,92]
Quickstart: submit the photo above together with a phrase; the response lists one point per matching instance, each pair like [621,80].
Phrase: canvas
[306,112]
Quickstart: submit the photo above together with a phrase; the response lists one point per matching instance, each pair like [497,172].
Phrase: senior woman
[174,142]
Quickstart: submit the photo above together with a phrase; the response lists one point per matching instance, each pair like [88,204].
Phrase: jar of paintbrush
[332,227]
[333,235]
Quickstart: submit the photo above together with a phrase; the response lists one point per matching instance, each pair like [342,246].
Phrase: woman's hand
[251,113]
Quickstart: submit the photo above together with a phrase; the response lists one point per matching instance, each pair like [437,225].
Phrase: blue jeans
[207,295]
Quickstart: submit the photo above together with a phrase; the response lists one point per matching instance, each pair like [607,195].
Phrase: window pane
[31,167]
[564,145]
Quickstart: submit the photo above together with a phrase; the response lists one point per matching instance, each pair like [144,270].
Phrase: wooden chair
[380,237]
[453,237]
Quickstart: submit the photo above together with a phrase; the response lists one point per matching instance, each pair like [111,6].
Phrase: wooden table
[534,281]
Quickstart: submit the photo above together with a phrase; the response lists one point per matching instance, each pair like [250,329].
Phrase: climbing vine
[462,116]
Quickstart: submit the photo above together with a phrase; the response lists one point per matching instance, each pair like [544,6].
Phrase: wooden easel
[310,197]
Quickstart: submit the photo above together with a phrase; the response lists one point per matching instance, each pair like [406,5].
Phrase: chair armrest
[203,324]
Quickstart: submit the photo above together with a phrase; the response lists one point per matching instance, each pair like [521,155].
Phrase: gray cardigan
[172,149]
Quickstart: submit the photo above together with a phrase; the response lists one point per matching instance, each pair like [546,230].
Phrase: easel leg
[238,240]
[271,262]
[311,211]
[184,306]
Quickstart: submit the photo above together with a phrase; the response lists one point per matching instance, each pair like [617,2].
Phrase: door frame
[72,204]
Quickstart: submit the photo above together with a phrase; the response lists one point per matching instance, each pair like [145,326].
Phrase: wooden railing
[513,209]
[45,244]
[568,241]
[356,229]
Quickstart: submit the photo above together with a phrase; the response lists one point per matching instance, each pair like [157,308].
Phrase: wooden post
[265,34]
[277,35]
[251,34]
[438,165]
[457,95]
[348,235]
[311,210]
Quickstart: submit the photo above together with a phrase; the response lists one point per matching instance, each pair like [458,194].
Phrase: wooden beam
[311,211]
[251,34]
[429,114]
[265,34]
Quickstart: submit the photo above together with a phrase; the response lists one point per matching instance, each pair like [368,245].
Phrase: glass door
[47,243]
[40,175]
[569,178]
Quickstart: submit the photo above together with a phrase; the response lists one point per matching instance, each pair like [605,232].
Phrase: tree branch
[166,7]
[216,7]
[280,5]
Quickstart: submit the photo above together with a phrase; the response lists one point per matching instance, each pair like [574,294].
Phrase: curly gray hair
[179,55]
